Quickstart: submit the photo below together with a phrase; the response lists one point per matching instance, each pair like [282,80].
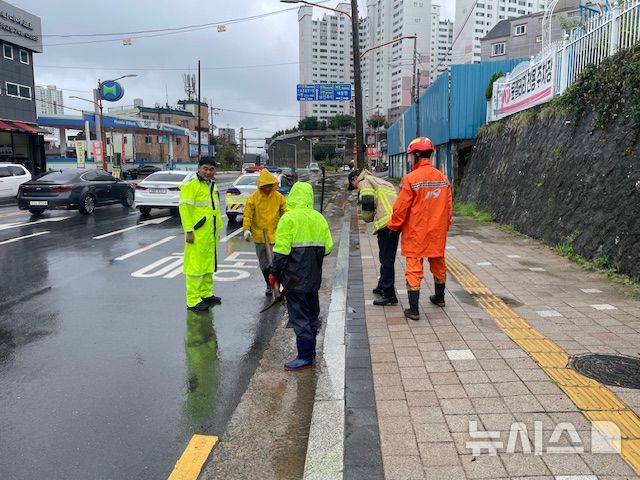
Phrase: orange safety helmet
[420,144]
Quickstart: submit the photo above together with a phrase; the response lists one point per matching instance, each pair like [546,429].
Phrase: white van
[12,175]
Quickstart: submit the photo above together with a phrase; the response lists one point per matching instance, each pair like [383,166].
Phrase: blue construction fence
[452,109]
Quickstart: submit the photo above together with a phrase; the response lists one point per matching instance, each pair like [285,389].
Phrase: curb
[325,447]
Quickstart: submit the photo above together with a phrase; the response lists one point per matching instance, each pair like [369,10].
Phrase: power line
[172,69]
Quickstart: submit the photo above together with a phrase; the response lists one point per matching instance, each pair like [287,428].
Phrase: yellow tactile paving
[596,401]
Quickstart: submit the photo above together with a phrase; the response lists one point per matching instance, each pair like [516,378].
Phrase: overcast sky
[234,74]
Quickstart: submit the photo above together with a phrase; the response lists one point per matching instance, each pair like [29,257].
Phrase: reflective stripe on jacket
[264,211]
[423,212]
[198,200]
[384,196]
[302,240]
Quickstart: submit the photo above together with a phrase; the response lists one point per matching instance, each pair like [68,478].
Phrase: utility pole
[199,117]
[241,144]
[357,81]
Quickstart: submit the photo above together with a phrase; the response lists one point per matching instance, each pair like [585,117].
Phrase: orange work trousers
[415,272]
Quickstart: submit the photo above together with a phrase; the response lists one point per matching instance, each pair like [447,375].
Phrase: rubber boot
[305,355]
[412,312]
[438,298]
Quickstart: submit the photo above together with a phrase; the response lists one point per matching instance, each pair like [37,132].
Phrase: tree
[324,150]
[227,154]
[489,91]
[311,123]
[377,121]
[342,121]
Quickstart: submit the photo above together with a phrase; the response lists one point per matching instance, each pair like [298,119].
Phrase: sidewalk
[482,388]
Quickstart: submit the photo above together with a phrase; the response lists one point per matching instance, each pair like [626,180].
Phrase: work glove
[247,235]
[273,280]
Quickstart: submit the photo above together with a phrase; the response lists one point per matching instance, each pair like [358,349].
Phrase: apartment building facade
[474,20]
[441,41]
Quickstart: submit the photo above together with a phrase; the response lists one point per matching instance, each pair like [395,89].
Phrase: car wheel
[174,211]
[127,201]
[232,216]
[87,204]
[36,211]
[144,210]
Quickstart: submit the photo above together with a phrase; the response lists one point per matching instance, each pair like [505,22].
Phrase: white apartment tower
[474,22]
[441,40]
[325,57]
[389,70]
[49,100]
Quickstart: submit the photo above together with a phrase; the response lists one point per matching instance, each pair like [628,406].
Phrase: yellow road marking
[596,401]
[193,458]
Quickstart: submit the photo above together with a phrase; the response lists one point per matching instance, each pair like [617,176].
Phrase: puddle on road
[467,298]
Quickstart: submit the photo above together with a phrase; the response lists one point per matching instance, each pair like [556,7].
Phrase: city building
[475,19]
[325,51]
[389,69]
[21,140]
[227,134]
[163,148]
[49,101]
[521,37]
[441,42]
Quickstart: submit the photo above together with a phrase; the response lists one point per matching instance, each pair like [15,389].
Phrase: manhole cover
[616,370]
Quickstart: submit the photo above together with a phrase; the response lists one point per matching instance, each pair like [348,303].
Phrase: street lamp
[357,80]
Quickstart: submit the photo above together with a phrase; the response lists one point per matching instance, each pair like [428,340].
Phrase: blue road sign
[324,92]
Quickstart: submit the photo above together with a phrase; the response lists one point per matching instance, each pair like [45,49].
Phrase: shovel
[279,292]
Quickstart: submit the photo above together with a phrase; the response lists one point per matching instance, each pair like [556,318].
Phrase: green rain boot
[412,311]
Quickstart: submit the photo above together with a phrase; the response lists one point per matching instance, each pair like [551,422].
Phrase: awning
[20,127]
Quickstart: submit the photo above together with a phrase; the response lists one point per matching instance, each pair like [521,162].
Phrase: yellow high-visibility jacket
[199,200]
[264,211]
[377,197]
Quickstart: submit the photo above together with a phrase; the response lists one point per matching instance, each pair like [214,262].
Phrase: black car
[83,190]
[141,171]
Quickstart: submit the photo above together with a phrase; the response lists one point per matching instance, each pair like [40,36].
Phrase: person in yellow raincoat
[263,210]
[201,223]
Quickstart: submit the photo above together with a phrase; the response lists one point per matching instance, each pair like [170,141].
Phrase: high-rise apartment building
[390,69]
[325,57]
[441,40]
[474,19]
[49,100]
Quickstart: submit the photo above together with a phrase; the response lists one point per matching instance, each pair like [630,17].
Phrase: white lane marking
[17,239]
[591,290]
[154,221]
[231,235]
[144,249]
[26,224]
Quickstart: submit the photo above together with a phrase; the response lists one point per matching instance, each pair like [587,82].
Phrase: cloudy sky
[249,71]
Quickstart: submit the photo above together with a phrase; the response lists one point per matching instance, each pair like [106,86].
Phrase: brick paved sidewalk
[497,355]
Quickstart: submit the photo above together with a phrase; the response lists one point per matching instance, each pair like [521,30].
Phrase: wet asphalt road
[103,372]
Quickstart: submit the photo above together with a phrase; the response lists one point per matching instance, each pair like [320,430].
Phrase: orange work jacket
[423,211]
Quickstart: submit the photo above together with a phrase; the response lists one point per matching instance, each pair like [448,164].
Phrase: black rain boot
[388,298]
[438,298]
[412,311]
[268,291]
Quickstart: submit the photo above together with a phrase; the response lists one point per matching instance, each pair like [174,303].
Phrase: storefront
[22,143]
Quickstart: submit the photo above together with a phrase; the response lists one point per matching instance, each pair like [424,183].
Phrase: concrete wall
[553,178]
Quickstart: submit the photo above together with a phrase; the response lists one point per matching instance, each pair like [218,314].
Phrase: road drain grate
[615,370]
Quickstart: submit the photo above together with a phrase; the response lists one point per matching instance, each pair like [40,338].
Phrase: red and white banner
[531,87]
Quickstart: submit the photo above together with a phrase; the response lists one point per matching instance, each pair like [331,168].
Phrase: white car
[161,190]
[245,185]
[12,175]
[313,167]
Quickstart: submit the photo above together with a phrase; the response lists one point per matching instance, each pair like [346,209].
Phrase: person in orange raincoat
[423,213]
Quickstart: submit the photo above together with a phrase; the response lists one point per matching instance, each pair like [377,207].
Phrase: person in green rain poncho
[202,222]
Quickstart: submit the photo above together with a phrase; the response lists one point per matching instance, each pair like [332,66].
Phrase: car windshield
[60,176]
[247,180]
[165,177]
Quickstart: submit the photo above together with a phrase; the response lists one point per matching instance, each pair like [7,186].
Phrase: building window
[18,91]
[148,139]
[497,49]
[539,39]
[24,57]
[7,51]
[520,30]
[178,141]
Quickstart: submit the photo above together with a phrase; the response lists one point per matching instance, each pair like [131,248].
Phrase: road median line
[598,404]
[190,463]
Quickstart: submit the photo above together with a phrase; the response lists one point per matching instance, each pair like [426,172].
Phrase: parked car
[254,168]
[314,167]
[12,175]
[346,168]
[83,190]
[160,190]
[273,168]
[245,185]
[141,171]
